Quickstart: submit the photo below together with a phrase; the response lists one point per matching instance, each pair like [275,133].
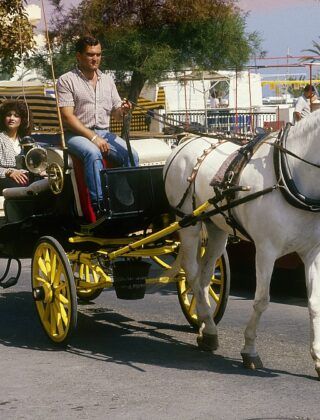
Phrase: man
[303,108]
[87,99]
[214,101]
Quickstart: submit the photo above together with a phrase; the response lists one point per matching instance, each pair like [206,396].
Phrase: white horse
[276,227]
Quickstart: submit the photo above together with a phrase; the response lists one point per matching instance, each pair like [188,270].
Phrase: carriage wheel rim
[56,309]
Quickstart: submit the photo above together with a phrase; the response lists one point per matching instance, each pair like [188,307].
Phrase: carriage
[76,256]
[272,178]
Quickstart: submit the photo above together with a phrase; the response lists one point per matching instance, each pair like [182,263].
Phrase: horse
[276,226]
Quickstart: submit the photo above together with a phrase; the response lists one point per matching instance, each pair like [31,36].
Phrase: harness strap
[191,179]
[226,181]
[282,170]
[190,219]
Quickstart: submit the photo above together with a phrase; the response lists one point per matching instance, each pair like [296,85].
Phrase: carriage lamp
[36,160]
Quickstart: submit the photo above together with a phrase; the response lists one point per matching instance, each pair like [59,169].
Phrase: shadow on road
[107,336]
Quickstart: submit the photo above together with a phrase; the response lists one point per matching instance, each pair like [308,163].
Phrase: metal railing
[242,121]
[228,120]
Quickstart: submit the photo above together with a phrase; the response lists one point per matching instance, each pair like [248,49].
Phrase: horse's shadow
[104,335]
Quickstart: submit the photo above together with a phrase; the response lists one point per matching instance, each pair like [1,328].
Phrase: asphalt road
[139,360]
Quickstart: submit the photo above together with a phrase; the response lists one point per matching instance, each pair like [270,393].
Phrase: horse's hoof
[318,372]
[208,342]
[251,362]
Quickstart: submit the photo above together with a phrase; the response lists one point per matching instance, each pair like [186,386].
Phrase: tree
[16,35]
[148,38]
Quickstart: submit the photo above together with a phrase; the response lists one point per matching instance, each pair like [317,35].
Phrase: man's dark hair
[308,88]
[84,42]
[24,112]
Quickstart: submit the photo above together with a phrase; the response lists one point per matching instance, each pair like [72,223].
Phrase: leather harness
[226,182]
[288,187]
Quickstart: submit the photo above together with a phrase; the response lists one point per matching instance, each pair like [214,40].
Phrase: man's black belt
[95,127]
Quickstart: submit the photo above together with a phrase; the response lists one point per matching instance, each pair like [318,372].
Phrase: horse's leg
[312,270]
[264,267]
[216,243]
[191,263]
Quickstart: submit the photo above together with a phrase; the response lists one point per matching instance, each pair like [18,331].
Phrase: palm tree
[315,51]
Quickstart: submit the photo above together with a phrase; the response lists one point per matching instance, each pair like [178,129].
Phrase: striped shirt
[8,153]
[91,105]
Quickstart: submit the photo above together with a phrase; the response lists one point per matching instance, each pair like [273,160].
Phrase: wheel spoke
[62,299]
[47,312]
[59,319]
[95,277]
[64,314]
[40,280]
[213,294]
[53,267]
[57,276]
[214,280]
[47,261]
[42,266]
[52,321]
[81,270]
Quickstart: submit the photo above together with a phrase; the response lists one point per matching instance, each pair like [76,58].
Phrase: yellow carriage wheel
[54,290]
[86,273]
[218,293]
[218,290]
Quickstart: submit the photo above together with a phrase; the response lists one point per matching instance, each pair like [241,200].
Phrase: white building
[191,90]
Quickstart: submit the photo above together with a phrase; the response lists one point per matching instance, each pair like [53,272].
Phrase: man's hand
[101,144]
[126,106]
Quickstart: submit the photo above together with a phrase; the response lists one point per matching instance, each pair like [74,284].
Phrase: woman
[15,123]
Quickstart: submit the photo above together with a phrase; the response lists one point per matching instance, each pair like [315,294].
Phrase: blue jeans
[91,156]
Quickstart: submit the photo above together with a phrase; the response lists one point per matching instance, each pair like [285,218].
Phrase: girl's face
[12,120]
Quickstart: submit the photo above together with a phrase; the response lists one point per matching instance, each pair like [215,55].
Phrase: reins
[288,152]
[282,136]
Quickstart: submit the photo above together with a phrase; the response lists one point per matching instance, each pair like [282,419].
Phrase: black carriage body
[134,199]
[28,218]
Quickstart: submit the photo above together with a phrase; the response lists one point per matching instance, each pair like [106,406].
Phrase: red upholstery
[84,196]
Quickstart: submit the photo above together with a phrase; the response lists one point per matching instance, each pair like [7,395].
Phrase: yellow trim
[289,82]
[155,236]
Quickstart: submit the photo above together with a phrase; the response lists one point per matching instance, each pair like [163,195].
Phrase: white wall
[193,94]
[245,90]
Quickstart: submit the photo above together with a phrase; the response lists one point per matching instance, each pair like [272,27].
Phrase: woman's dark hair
[85,41]
[24,113]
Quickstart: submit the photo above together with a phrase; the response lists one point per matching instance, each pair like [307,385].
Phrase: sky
[286,26]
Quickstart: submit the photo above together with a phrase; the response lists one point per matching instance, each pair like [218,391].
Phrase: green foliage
[315,51]
[150,37]
[63,59]
[147,38]
[16,36]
